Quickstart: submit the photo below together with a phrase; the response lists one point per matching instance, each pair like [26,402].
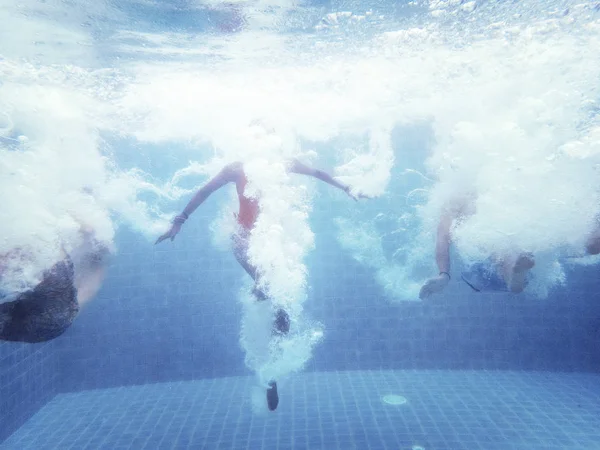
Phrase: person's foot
[272,396]
[281,324]
[524,262]
[518,278]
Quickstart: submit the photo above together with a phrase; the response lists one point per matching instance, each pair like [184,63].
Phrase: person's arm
[442,244]
[90,261]
[442,257]
[89,282]
[227,175]
[302,169]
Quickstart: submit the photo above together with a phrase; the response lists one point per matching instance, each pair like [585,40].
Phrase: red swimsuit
[249,208]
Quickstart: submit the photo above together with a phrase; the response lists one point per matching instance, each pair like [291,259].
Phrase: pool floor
[335,410]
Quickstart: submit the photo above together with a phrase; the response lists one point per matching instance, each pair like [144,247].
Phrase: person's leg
[281,325]
[272,396]
[240,250]
[514,269]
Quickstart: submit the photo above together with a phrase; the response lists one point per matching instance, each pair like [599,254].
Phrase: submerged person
[249,211]
[498,273]
[47,310]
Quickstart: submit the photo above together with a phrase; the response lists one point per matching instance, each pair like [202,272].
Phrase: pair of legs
[281,322]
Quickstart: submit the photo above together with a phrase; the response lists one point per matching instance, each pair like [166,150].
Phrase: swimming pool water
[134,101]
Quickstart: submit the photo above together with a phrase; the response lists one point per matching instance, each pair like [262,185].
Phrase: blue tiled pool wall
[29,377]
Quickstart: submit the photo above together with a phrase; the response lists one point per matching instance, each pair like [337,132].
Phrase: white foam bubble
[54,177]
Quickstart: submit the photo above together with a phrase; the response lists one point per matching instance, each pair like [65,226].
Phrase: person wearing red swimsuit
[249,211]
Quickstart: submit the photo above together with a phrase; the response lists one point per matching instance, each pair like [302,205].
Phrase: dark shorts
[483,277]
[44,312]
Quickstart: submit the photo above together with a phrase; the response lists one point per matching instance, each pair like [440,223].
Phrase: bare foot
[519,272]
[524,262]
[272,396]
[433,286]
[281,324]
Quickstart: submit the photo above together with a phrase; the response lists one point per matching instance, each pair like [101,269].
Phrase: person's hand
[170,234]
[434,285]
[356,196]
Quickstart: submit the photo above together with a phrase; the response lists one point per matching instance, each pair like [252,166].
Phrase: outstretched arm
[442,257]
[227,175]
[302,169]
